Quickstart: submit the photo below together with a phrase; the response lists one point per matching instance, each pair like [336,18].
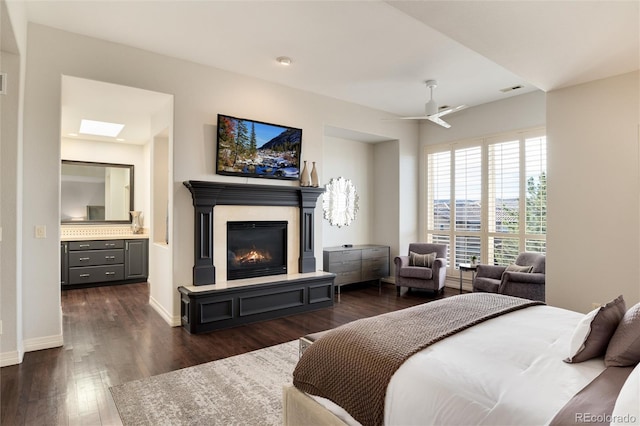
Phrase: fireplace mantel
[207,195]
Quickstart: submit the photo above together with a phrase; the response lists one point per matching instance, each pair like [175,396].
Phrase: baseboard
[11,358]
[39,343]
[173,321]
[455,283]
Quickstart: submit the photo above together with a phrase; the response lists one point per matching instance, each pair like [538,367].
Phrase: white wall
[593,193]
[351,160]
[199,94]
[13,48]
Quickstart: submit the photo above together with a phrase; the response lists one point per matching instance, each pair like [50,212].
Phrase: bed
[503,370]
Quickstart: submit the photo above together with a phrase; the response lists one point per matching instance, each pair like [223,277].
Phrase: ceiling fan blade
[448,111]
[439,121]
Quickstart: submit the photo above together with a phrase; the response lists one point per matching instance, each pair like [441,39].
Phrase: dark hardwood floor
[112,336]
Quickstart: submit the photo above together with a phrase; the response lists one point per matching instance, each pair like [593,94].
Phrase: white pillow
[627,409]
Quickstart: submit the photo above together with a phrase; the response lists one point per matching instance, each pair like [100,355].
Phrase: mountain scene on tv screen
[250,148]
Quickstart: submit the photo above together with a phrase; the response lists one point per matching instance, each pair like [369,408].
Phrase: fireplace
[256,249]
[207,195]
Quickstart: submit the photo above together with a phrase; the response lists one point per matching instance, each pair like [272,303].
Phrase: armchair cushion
[422,260]
[517,268]
[417,272]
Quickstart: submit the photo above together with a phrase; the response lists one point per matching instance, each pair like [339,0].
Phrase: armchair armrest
[490,271]
[523,277]
[401,261]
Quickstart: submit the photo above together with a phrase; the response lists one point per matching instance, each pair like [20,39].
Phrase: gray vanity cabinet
[104,261]
[136,264]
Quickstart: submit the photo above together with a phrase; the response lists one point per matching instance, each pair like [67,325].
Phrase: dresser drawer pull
[109,257]
[84,258]
[109,273]
[109,244]
[84,245]
[85,275]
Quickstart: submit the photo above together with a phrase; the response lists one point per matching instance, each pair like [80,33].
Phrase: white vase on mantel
[136,222]
[304,176]
[314,176]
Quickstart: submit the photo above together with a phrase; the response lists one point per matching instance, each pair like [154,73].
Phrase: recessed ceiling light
[100,128]
[284,60]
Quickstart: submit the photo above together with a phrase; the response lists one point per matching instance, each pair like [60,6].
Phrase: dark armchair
[505,280]
[431,278]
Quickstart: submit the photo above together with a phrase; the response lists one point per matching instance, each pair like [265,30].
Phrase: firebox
[256,249]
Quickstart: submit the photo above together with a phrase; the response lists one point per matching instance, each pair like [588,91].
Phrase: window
[488,197]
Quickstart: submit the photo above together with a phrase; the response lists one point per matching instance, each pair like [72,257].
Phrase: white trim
[39,343]
[11,358]
[173,321]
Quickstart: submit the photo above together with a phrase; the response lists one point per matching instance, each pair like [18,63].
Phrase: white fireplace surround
[224,214]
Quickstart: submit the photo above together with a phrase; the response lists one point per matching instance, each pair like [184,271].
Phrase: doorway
[144,141]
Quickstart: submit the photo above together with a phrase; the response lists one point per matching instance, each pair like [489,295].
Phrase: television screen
[251,148]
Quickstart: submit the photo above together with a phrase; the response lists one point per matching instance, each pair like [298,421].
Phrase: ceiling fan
[431,110]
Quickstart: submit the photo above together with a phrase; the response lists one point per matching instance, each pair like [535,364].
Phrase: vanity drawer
[96,274]
[95,257]
[96,245]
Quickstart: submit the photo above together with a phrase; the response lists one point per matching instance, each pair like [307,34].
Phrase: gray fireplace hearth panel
[217,307]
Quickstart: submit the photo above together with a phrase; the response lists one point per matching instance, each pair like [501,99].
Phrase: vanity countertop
[86,233]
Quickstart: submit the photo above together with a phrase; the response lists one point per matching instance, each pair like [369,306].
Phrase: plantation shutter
[468,203]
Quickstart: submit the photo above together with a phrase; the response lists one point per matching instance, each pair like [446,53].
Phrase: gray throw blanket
[353,364]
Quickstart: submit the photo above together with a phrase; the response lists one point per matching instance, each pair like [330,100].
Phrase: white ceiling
[376,53]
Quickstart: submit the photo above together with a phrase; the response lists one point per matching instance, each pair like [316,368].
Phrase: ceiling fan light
[431,107]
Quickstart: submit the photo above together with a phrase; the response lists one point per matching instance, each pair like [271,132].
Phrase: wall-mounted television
[252,148]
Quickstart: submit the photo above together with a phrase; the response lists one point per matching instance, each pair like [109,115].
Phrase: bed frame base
[300,409]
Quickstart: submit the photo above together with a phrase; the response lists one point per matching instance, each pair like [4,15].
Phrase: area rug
[241,390]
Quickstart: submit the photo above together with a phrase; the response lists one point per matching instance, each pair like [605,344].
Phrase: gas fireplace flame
[253,255]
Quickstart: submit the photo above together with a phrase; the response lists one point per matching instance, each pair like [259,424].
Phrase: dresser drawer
[96,274]
[375,252]
[344,256]
[351,266]
[96,257]
[96,245]
[347,277]
[373,269]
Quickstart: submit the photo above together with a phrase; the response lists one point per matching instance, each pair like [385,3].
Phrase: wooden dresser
[356,264]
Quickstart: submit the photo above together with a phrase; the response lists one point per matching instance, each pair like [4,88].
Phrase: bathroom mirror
[340,202]
[95,192]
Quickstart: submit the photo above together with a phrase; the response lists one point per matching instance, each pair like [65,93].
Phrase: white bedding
[505,371]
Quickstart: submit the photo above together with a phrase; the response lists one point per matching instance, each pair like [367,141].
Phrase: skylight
[100,128]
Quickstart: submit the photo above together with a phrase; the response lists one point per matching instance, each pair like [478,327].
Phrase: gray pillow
[424,260]
[624,347]
[592,335]
[517,268]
